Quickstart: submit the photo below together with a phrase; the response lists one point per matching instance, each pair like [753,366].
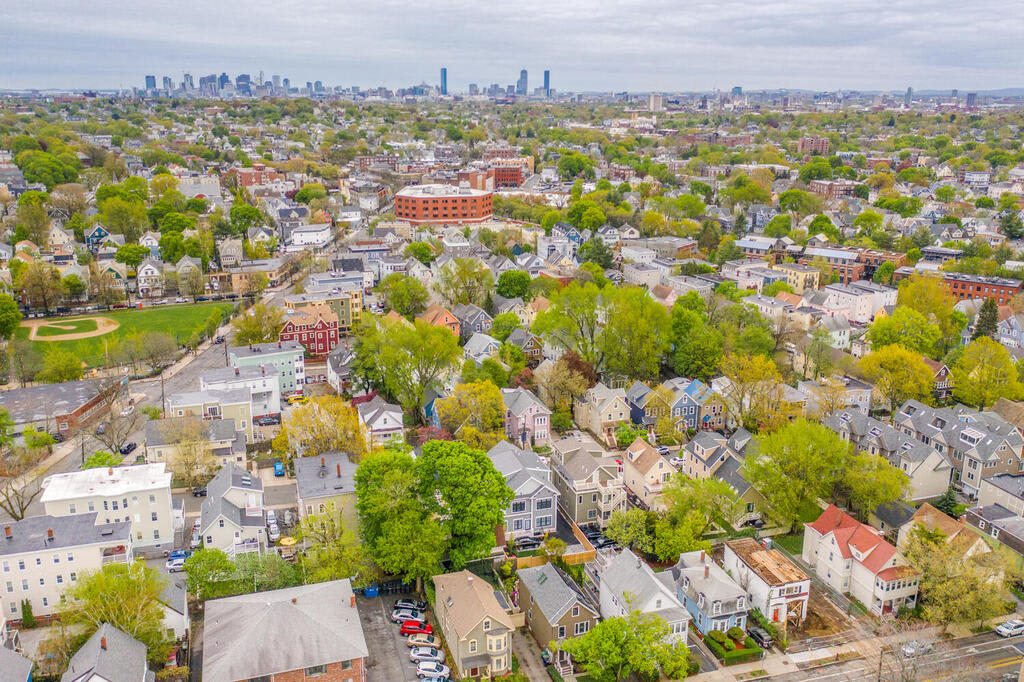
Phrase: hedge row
[749,653]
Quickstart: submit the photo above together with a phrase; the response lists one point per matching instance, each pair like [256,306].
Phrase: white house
[383,421]
[232,517]
[138,494]
[774,583]
[627,583]
[316,236]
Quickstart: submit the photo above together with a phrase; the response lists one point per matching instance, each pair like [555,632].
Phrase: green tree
[461,485]
[243,216]
[884,273]
[596,251]
[334,551]
[262,571]
[513,284]
[474,413]
[898,375]
[908,328]
[712,498]
[308,193]
[503,325]
[102,459]
[988,320]
[60,366]
[795,466]
[126,596]
[208,574]
[404,294]
[125,217]
[697,346]
[674,535]
[984,373]
[10,316]
[620,648]
[421,251]
[465,280]
[259,324]
[635,334]
[399,533]
[870,481]
[630,528]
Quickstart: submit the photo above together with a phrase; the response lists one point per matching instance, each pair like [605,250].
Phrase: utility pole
[163,398]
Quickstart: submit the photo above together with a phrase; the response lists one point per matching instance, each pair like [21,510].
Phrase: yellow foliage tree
[474,414]
[324,424]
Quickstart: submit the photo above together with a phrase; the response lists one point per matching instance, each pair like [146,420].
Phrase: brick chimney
[7,532]
[323,462]
[352,601]
[49,534]
[702,556]
[110,471]
[103,643]
[707,570]
[339,469]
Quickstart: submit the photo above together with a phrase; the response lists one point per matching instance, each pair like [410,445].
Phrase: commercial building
[57,408]
[287,357]
[310,632]
[42,555]
[442,204]
[833,188]
[965,286]
[138,494]
[812,145]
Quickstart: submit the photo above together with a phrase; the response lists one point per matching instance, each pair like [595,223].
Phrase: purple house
[527,420]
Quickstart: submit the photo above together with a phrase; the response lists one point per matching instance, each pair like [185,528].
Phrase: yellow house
[326,482]
[801,278]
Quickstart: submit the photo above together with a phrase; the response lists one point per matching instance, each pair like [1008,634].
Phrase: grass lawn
[62,327]
[180,321]
[794,544]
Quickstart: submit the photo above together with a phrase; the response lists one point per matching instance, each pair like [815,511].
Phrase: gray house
[533,510]
[472,319]
[111,655]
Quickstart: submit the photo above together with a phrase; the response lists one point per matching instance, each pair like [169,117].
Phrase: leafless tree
[16,498]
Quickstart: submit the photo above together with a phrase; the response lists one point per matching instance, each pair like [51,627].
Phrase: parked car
[196,540]
[417,604]
[1010,628]
[199,492]
[448,679]
[268,421]
[197,524]
[662,449]
[128,447]
[278,469]
[426,653]
[297,400]
[915,648]
[271,517]
[273,532]
[180,299]
[754,523]
[179,554]
[525,544]
[101,429]
[423,640]
[432,669]
[415,627]
[219,339]
[761,636]
[677,461]
[128,409]
[406,615]
[175,565]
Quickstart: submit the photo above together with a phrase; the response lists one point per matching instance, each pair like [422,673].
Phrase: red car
[411,627]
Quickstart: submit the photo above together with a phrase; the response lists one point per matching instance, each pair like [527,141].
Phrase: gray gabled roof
[524,471]
[31,534]
[273,632]
[111,655]
[553,592]
[13,666]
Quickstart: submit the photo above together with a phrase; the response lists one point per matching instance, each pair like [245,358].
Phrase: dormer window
[716,607]
[741,602]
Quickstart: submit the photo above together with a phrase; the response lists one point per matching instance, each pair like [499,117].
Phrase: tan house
[168,439]
[589,480]
[478,630]
[232,403]
[535,306]
[555,606]
[645,473]
[801,278]
[601,410]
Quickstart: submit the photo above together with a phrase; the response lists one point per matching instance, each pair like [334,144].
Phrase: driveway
[389,655]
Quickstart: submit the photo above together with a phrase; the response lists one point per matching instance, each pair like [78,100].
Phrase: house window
[346,665]
[582,627]
[544,504]
[71,508]
[518,506]
[487,624]
[472,646]
[575,611]
[316,670]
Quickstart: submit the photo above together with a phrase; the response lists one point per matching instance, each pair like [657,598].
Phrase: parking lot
[389,655]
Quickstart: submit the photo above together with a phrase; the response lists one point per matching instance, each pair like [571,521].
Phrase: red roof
[833,518]
[849,532]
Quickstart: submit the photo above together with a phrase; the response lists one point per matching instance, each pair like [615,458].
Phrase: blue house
[569,232]
[95,235]
[693,405]
[711,597]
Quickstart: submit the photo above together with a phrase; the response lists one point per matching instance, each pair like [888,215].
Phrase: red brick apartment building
[314,326]
[442,204]
[964,286]
[809,145]
[833,188]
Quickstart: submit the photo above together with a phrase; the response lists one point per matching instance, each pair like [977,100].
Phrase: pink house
[527,420]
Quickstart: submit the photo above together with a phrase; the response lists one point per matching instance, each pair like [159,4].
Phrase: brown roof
[791,299]
[645,456]
[1010,410]
[770,564]
[471,599]
[933,519]
[436,314]
[538,304]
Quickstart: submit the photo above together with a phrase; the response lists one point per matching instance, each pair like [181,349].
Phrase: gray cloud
[637,45]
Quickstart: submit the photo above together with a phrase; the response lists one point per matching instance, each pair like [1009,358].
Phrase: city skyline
[862,45]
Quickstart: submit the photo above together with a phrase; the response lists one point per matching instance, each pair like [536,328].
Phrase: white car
[432,669]
[677,461]
[426,653]
[175,565]
[127,410]
[273,532]
[914,648]
[1010,628]
[271,517]
[180,299]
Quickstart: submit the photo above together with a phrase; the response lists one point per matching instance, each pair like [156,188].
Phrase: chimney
[103,643]
[49,534]
[339,469]
[322,462]
[702,556]
[707,570]
[295,600]
[352,601]
[7,532]
[110,471]
[236,371]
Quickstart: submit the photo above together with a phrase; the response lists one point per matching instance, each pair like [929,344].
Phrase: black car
[761,636]
[128,447]
[268,421]
[524,544]
[199,492]
[219,339]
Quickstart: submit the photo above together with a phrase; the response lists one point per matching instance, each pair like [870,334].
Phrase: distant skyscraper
[474,89]
[309,86]
[168,84]
[521,85]
[955,94]
[318,86]
[286,84]
[737,91]
[242,84]
[187,82]
[908,98]
[223,81]
[444,81]
[972,100]
[151,82]
[654,102]
[277,82]
[547,83]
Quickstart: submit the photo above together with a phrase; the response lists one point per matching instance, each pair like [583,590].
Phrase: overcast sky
[637,45]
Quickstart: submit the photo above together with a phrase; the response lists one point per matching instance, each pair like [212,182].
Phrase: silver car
[426,653]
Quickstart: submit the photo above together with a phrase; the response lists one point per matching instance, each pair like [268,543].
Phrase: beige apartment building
[140,495]
[40,556]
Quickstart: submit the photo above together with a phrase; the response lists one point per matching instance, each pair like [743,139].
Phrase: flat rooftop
[770,564]
[438,190]
[105,482]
